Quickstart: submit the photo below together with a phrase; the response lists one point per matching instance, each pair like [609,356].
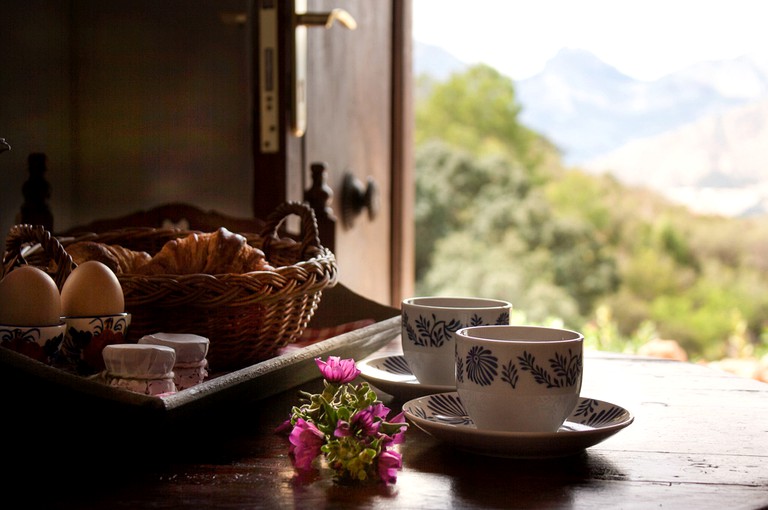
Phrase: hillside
[698,135]
[713,165]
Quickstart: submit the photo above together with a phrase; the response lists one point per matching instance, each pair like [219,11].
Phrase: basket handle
[309,229]
[22,234]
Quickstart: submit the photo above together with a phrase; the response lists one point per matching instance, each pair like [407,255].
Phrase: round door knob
[355,197]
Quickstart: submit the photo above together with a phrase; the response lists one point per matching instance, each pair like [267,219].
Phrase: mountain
[435,62]
[589,108]
[698,135]
[714,165]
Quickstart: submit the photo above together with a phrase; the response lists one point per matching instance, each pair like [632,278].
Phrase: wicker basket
[247,317]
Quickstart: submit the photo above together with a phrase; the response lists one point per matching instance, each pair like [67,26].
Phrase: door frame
[403,179]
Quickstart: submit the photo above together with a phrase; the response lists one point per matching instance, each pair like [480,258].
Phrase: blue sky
[643,39]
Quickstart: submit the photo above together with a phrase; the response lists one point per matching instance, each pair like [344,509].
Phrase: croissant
[117,258]
[212,253]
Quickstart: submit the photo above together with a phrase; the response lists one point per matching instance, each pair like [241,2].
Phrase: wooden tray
[51,400]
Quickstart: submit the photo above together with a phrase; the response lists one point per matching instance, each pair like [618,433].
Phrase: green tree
[484,228]
[478,112]
[454,189]
[497,215]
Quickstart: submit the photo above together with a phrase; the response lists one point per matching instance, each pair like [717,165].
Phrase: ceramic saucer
[392,375]
[443,416]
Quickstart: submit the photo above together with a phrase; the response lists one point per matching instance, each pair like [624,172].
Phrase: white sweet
[191,367]
[139,361]
[189,348]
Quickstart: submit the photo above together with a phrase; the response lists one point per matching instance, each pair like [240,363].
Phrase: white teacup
[519,378]
[428,327]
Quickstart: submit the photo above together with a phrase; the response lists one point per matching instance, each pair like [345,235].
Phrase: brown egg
[92,289]
[29,297]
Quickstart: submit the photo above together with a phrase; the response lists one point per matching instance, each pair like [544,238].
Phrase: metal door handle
[326,19]
[301,20]
[355,197]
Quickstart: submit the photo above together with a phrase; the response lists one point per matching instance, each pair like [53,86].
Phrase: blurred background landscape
[698,135]
[633,210]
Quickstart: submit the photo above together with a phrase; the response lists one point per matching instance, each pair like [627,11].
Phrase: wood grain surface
[699,440]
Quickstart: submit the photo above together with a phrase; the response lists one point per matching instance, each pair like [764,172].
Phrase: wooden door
[358,115]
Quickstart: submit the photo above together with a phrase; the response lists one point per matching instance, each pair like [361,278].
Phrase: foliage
[498,215]
[483,223]
[478,112]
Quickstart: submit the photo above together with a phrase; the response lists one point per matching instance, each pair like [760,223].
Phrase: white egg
[29,297]
[92,289]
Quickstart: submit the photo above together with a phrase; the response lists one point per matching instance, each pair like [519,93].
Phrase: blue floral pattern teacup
[429,325]
[519,378]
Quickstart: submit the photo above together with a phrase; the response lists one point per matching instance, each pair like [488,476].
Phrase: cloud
[645,40]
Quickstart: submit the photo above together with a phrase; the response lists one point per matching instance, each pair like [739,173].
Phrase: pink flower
[396,438]
[365,420]
[306,441]
[400,418]
[393,430]
[379,410]
[399,436]
[337,370]
[389,462]
[343,429]
[283,427]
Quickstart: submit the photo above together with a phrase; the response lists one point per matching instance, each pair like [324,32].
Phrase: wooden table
[699,440]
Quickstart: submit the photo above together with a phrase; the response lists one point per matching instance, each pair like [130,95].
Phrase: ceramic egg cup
[86,338]
[41,343]
[30,313]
